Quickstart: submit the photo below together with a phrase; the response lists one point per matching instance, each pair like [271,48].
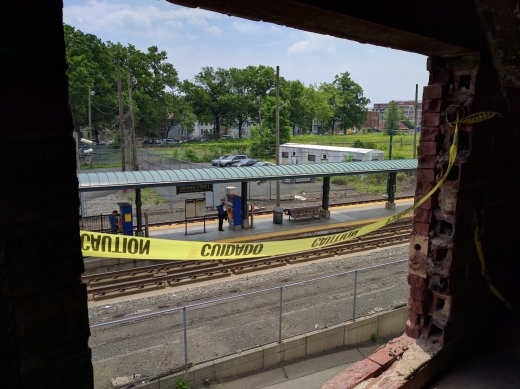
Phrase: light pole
[90,93]
[133,149]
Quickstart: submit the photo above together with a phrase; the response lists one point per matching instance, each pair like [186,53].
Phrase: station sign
[194,188]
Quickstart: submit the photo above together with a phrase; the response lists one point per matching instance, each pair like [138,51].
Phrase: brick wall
[448,296]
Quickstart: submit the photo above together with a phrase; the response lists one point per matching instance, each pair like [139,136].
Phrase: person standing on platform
[221,210]
[114,222]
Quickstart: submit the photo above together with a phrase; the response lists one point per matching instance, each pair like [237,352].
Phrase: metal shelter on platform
[97,181]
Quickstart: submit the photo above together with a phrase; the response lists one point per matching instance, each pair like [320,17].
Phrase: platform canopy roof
[97,181]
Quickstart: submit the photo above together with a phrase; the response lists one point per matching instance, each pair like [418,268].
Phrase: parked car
[171,141]
[261,164]
[226,137]
[110,142]
[245,162]
[147,142]
[158,142]
[230,160]
[215,162]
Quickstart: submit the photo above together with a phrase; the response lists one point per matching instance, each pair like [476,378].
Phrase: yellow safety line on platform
[264,216]
[299,231]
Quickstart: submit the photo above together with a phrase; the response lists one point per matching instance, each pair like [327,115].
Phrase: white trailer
[296,153]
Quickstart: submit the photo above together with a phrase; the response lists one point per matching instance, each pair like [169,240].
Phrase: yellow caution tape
[119,246]
[484,271]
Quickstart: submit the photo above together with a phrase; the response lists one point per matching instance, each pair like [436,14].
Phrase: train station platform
[264,229]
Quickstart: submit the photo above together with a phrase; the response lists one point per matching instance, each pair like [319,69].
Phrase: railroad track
[137,280]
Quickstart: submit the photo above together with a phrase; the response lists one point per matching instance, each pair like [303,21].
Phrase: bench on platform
[303,212]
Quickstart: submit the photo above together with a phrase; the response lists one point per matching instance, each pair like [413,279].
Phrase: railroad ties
[149,278]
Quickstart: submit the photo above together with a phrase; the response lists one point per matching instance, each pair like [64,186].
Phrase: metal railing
[97,223]
[279,313]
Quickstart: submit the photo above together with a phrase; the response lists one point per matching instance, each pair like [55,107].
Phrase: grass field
[402,147]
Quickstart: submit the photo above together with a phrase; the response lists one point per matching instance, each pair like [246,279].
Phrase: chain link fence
[169,340]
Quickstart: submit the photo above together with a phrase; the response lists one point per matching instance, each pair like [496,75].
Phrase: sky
[194,38]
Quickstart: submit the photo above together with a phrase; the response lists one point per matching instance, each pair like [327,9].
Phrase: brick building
[376,114]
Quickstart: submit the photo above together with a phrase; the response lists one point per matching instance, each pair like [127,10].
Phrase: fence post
[185,339]
[170,198]
[101,220]
[280,321]
[355,293]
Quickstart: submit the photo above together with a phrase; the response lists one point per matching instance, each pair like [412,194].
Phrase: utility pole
[133,150]
[121,126]
[415,122]
[277,133]
[278,211]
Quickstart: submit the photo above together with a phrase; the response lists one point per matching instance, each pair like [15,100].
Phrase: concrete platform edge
[350,333]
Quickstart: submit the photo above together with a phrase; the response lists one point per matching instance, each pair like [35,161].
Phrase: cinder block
[361,331]
[199,373]
[432,92]
[325,340]
[238,364]
[289,350]
[419,244]
[392,322]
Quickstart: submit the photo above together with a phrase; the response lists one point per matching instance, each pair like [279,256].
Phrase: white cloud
[191,37]
[313,44]
[247,27]
[105,16]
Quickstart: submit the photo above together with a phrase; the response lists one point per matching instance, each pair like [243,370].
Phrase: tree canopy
[224,97]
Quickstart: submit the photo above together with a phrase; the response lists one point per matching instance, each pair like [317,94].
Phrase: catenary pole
[277,132]
[121,126]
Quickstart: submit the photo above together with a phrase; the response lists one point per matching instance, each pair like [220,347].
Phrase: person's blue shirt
[220,209]
[114,222]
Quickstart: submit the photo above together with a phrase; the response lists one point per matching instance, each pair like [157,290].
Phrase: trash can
[278,215]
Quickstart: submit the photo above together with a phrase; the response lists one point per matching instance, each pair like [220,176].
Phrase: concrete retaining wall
[384,324]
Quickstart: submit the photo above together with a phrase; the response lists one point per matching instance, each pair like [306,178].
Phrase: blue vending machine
[125,209]
[234,208]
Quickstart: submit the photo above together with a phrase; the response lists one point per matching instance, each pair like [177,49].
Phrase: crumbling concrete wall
[448,296]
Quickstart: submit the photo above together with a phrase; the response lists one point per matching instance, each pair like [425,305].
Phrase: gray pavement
[306,373]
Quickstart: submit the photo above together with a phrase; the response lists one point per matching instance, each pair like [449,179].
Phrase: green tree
[210,96]
[301,112]
[392,117]
[241,101]
[351,105]
[90,67]
[263,138]
[155,84]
